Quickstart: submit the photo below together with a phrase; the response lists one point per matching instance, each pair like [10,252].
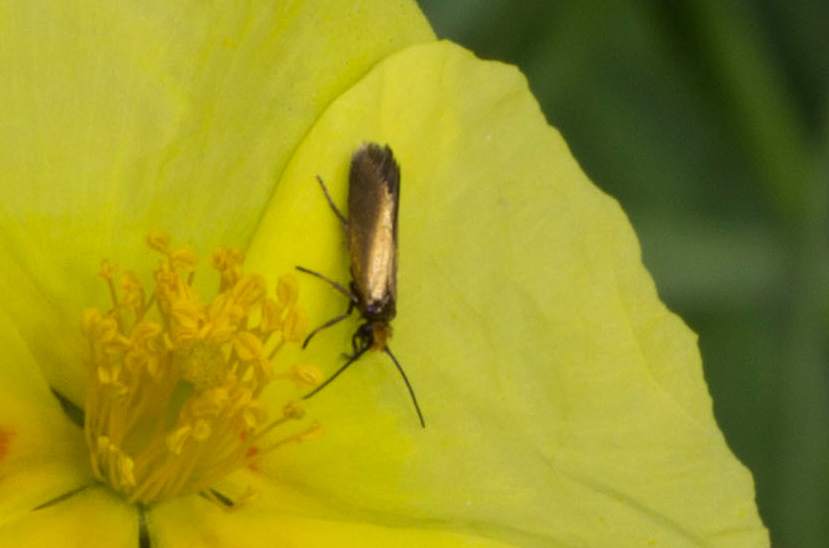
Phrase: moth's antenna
[387,350]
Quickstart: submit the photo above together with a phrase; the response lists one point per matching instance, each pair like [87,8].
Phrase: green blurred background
[709,121]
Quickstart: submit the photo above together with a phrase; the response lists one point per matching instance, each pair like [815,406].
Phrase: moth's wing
[373,201]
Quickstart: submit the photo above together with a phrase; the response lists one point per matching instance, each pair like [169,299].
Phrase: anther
[173,400]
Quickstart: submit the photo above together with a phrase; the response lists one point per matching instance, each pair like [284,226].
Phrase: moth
[371,226]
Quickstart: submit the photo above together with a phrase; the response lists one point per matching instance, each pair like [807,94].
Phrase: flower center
[173,403]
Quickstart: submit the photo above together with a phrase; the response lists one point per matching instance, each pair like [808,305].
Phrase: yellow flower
[565,405]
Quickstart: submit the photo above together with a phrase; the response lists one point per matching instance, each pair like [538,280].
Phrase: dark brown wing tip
[381,159]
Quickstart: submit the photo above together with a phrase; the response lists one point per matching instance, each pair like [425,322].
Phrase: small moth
[373,202]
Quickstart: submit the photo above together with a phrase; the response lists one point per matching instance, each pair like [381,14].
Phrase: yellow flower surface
[565,405]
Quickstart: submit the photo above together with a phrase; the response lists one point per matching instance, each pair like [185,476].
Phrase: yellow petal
[93,518]
[563,402]
[42,454]
[121,117]
[286,518]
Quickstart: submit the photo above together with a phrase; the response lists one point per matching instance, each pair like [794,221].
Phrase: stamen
[312,432]
[225,503]
[173,401]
